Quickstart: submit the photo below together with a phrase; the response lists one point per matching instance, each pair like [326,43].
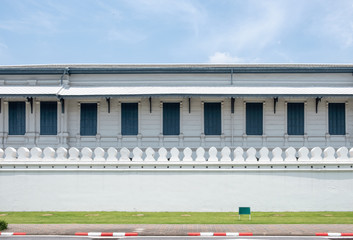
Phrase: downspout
[66,72]
[62,101]
[232,112]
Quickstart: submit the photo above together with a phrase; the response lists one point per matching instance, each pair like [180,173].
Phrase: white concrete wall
[176,190]
[90,180]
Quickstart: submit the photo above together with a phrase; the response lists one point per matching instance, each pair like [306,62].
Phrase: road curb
[334,234]
[233,234]
[12,233]
[107,234]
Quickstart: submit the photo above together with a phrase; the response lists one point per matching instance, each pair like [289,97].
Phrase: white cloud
[126,36]
[36,19]
[260,31]
[338,23]
[256,29]
[224,31]
[3,46]
[190,13]
[5,56]
[108,12]
[224,57]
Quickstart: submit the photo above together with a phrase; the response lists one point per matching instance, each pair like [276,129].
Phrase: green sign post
[245,211]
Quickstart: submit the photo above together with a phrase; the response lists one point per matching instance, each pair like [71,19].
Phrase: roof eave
[207,95]
[171,70]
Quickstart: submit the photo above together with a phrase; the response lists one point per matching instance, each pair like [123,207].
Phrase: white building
[176,105]
[62,124]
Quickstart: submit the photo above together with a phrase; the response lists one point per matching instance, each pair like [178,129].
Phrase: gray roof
[173,68]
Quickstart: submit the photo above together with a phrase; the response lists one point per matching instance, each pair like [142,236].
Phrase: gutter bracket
[30,100]
[108,101]
[317,100]
[62,101]
[275,101]
[232,101]
[150,100]
[189,105]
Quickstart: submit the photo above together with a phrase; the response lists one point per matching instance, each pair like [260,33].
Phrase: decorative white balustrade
[237,155]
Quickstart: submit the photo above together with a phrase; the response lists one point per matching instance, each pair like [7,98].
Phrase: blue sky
[175,31]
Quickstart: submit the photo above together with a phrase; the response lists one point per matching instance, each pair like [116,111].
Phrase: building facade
[168,137]
[176,106]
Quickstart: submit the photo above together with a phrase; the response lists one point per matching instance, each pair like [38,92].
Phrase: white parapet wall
[176,179]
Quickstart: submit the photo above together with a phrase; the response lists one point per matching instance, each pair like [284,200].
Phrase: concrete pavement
[181,229]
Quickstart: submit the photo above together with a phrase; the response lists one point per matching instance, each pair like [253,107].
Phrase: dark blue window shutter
[212,118]
[88,126]
[17,118]
[48,118]
[295,118]
[337,118]
[254,119]
[171,118]
[129,118]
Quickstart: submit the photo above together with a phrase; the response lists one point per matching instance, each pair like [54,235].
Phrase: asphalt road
[174,238]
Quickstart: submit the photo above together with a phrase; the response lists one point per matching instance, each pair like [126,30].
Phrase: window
[88,126]
[212,119]
[17,118]
[337,118]
[171,118]
[48,118]
[129,118]
[254,119]
[295,118]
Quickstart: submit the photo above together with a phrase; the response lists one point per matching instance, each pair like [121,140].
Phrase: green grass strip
[176,218]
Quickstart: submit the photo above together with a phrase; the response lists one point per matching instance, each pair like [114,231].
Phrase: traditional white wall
[175,190]
[94,180]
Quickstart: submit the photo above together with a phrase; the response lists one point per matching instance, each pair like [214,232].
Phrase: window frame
[93,133]
[24,121]
[247,127]
[122,122]
[41,117]
[219,129]
[303,119]
[165,119]
[343,119]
